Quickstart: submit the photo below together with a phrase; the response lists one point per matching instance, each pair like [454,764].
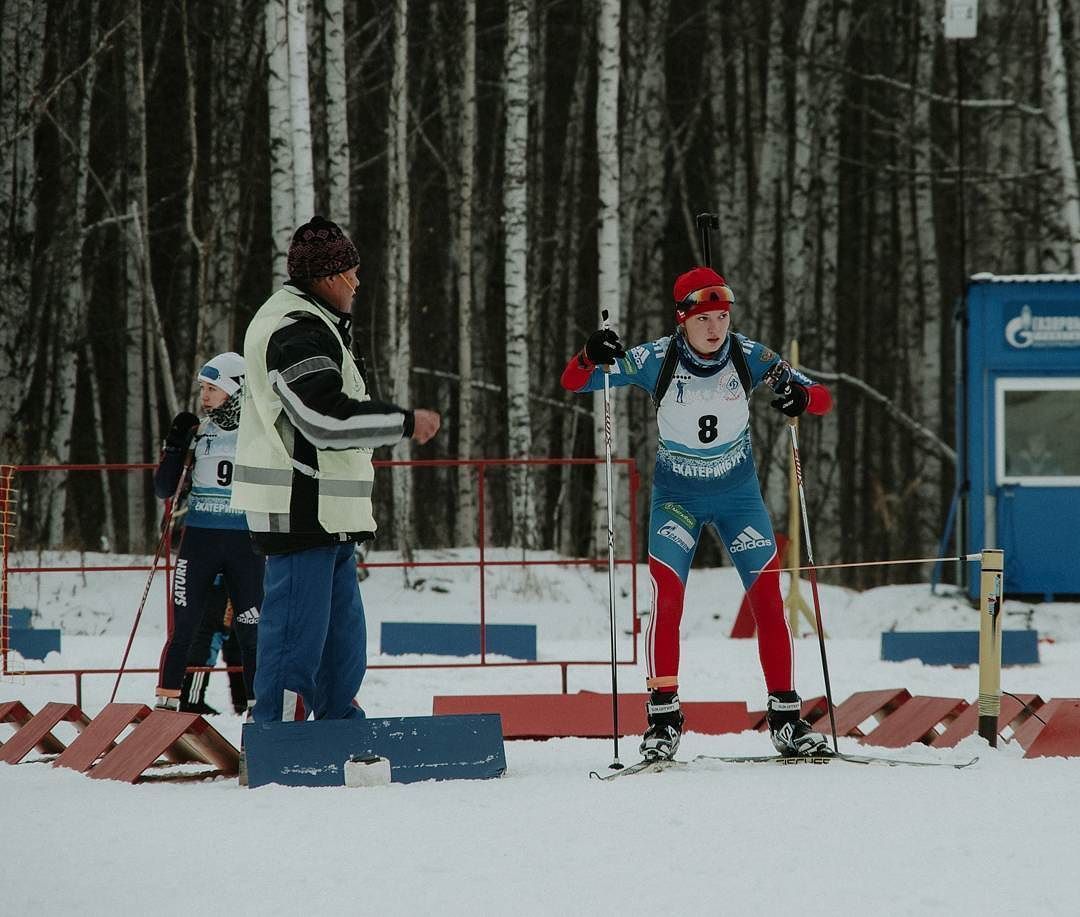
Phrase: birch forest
[508,169]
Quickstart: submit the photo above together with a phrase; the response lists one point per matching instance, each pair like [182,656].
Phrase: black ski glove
[179,435]
[792,398]
[603,347]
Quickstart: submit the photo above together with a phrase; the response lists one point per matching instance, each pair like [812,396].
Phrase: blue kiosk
[1019,429]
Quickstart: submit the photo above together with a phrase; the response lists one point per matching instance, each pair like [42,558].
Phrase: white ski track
[656,766]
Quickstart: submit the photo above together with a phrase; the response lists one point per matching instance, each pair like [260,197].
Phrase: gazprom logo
[1028,330]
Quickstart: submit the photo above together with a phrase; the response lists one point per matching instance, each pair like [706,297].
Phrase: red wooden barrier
[100,736]
[187,735]
[37,732]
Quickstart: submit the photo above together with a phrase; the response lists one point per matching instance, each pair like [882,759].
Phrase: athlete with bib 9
[701,378]
[215,540]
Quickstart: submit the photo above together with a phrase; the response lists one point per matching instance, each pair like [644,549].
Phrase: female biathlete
[701,378]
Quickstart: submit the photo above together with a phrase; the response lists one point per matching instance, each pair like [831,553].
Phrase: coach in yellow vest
[303,475]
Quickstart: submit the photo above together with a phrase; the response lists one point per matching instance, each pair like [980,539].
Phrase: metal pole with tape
[990,589]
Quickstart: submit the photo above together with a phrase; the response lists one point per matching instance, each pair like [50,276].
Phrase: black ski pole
[813,579]
[615,764]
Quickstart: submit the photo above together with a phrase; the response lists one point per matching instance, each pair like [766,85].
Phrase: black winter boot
[791,734]
[661,739]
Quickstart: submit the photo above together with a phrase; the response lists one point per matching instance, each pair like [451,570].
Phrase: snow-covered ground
[997,838]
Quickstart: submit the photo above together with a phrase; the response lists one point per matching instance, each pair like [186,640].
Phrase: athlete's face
[706,331]
[211,396]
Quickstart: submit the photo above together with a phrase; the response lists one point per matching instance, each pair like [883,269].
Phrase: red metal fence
[481,468]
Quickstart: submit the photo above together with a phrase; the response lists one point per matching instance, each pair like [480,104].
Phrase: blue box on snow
[418,748]
[518,641]
[957,647]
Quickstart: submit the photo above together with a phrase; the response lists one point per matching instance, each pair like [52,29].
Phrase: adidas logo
[251,616]
[748,539]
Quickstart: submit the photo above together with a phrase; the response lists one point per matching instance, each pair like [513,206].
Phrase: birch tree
[134,298]
[515,264]
[608,249]
[282,200]
[300,113]
[1058,104]
[466,484]
[766,297]
[397,274]
[337,122]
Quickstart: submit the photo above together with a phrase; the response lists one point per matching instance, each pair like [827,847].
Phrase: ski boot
[791,734]
[166,703]
[661,739]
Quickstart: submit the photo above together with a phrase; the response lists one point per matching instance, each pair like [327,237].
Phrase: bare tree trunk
[283,208]
[107,541]
[928,371]
[798,242]
[337,124]
[727,173]
[608,248]
[22,52]
[565,270]
[515,266]
[300,112]
[397,300]
[202,313]
[467,483]
[1058,104]
[72,329]
[234,73]
[822,477]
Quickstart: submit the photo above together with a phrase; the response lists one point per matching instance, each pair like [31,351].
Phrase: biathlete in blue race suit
[215,538]
[705,475]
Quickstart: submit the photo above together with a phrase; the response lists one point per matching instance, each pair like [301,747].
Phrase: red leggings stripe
[775,648]
[662,634]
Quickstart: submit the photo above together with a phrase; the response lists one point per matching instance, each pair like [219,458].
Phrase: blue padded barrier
[418,747]
[518,641]
[19,618]
[35,644]
[957,647]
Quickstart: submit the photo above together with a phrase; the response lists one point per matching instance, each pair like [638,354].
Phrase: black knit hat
[320,249]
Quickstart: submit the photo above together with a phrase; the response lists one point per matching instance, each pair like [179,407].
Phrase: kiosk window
[1039,423]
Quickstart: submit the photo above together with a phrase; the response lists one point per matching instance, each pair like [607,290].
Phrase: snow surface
[997,838]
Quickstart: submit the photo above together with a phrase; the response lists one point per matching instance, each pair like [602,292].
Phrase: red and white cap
[701,290]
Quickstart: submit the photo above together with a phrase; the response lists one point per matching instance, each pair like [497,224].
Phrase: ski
[656,766]
[767,759]
[832,756]
[644,766]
